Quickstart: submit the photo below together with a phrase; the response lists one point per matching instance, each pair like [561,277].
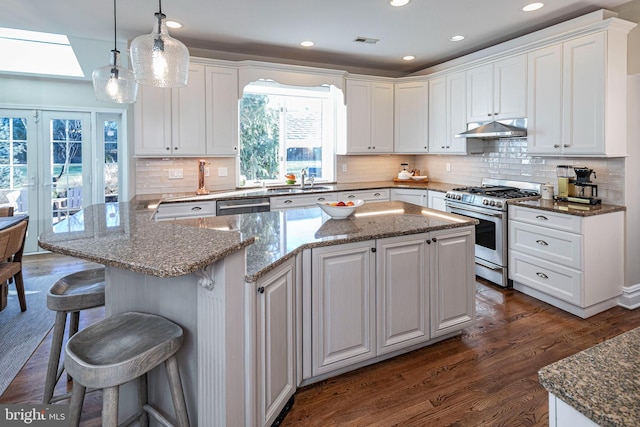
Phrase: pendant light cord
[160,6]
[115,39]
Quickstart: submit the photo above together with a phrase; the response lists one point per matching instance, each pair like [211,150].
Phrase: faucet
[303,174]
[201,188]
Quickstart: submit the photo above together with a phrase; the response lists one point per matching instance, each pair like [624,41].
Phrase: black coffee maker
[582,188]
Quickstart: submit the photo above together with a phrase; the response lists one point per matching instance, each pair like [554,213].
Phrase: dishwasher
[240,206]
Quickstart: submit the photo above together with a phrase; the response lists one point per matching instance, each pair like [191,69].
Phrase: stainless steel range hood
[515,128]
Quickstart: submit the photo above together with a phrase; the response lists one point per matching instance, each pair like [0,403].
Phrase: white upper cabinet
[171,122]
[196,120]
[369,117]
[577,96]
[411,117]
[497,90]
[448,115]
[222,111]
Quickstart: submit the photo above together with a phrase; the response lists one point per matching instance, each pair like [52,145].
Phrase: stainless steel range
[488,204]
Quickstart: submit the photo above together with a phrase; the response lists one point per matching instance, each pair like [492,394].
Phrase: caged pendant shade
[158,59]
[114,83]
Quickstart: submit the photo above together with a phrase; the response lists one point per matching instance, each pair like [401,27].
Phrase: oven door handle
[466,209]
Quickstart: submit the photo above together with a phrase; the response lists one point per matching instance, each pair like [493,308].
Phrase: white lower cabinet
[436,200]
[271,301]
[410,195]
[574,263]
[289,202]
[379,195]
[343,301]
[375,298]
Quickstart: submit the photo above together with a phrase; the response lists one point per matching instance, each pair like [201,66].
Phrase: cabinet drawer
[561,282]
[554,220]
[380,195]
[167,211]
[549,244]
[288,202]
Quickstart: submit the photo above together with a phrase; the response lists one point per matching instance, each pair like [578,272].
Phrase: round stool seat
[120,348]
[77,291]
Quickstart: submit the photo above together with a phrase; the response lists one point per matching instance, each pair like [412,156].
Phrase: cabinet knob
[373,148]
[542,243]
[442,147]
[556,146]
[566,145]
[425,147]
[235,148]
[542,275]
[488,114]
[373,249]
[542,218]
[261,290]
[428,242]
[167,148]
[434,240]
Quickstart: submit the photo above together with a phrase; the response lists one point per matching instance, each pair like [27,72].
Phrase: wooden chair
[6,211]
[11,248]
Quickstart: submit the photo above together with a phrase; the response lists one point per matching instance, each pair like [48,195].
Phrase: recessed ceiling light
[398,3]
[173,24]
[408,58]
[456,38]
[307,43]
[532,6]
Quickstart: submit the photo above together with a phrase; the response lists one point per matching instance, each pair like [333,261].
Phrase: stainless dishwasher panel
[240,206]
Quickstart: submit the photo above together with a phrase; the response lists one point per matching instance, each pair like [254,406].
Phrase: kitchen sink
[289,190]
[315,188]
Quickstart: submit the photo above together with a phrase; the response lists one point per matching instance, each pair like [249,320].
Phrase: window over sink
[284,129]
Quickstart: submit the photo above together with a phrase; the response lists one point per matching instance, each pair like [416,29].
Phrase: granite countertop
[243,193]
[602,382]
[569,208]
[123,235]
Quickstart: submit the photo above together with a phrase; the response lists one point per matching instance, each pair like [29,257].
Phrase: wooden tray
[410,180]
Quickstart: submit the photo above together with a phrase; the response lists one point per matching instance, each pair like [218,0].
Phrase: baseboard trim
[630,298]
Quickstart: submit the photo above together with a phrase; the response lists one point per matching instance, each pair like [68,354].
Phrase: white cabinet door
[402,291]
[379,195]
[276,350]
[457,114]
[417,197]
[222,111]
[583,95]
[436,200]
[411,118]
[480,93]
[369,117]
[544,134]
[343,305]
[510,88]
[497,90]
[452,280]
[188,118]
[152,113]
[290,202]
[438,107]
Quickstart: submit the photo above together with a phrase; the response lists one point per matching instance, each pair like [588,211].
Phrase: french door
[54,163]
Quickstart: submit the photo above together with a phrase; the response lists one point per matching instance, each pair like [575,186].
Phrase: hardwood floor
[485,377]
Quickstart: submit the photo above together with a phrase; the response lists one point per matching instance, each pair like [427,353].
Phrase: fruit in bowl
[290,178]
[339,210]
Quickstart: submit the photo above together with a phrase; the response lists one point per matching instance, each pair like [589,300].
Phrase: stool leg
[75,407]
[143,399]
[54,356]
[110,407]
[20,290]
[175,385]
[74,322]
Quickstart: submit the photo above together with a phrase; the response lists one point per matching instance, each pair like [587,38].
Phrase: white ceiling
[275,28]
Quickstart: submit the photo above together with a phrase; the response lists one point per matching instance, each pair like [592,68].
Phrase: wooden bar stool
[119,349]
[70,294]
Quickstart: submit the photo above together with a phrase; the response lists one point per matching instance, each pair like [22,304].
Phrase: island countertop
[601,382]
[125,236]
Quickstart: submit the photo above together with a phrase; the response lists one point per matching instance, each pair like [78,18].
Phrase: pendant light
[114,83]
[157,58]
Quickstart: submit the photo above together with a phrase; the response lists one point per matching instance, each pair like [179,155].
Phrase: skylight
[37,53]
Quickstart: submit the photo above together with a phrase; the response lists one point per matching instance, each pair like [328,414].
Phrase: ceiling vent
[367,40]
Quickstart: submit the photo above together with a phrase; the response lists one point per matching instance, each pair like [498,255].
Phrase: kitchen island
[205,274]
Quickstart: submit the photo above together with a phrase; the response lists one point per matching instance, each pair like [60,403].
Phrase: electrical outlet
[222,171]
[448,167]
[344,168]
[175,173]
[206,171]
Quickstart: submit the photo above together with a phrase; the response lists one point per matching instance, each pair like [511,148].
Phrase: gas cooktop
[492,193]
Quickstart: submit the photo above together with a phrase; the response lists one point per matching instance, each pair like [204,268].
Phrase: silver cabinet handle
[542,275]
[542,218]
[542,243]
[196,208]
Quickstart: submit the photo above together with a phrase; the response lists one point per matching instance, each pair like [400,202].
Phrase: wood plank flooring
[485,377]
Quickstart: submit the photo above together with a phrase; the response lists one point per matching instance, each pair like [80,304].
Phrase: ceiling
[275,28]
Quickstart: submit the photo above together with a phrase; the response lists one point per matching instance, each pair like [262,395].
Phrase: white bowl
[419,177]
[339,212]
